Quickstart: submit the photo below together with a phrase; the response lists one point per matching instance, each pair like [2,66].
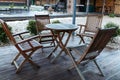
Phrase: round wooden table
[60,30]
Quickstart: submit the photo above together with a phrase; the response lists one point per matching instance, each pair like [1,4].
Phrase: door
[83,6]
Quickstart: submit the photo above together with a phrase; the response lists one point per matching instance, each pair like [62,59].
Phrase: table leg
[57,42]
[63,48]
[61,45]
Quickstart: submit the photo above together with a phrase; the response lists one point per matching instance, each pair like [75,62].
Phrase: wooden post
[103,7]
[87,7]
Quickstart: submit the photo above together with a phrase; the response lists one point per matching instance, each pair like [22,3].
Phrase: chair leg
[82,40]
[15,58]
[20,66]
[52,52]
[53,60]
[53,42]
[27,58]
[34,64]
[98,67]
[75,65]
[16,64]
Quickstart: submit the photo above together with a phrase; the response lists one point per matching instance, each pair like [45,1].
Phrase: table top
[60,26]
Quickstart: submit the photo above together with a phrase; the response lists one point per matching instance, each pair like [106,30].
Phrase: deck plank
[108,61]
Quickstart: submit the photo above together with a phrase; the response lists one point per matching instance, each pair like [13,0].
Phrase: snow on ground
[21,25]
[18,26]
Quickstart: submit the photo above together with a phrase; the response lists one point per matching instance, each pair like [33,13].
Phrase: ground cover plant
[3,36]
[111,25]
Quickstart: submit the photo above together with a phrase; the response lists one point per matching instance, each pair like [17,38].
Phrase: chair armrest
[81,27]
[28,39]
[30,42]
[20,34]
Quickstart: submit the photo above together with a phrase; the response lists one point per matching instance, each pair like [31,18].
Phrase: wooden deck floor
[108,61]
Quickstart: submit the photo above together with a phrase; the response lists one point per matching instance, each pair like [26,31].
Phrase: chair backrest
[99,42]
[93,22]
[41,21]
[7,31]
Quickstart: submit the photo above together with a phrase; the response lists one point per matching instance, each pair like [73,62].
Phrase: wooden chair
[26,47]
[90,52]
[46,37]
[89,29]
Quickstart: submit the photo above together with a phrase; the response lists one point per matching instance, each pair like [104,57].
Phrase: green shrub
[56,21]
[110,25]
[3,36]
[111,15]
[32,27]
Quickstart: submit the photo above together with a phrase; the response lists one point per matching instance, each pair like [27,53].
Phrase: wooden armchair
[89,29]
[26,47]
[46,37]
[90,52]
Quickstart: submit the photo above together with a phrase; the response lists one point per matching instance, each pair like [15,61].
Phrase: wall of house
[41,2]
[50,2]
[109,6]
[77,3]
[117,7]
